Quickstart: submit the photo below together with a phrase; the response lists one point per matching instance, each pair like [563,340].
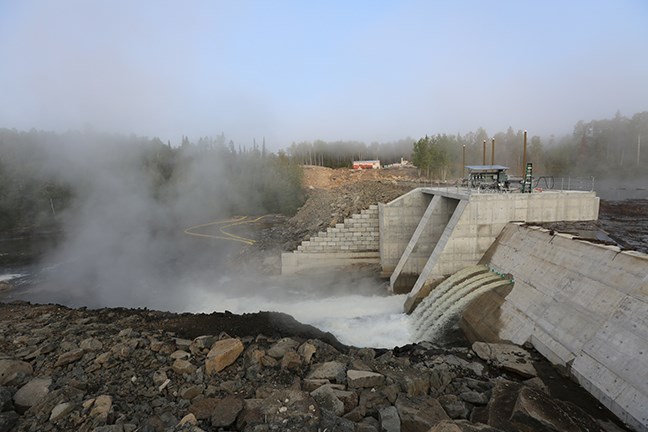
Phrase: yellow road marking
[226,235]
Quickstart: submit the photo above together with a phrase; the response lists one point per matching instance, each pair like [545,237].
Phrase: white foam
[363,321]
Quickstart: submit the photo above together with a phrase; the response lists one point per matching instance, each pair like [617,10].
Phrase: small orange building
[366,164]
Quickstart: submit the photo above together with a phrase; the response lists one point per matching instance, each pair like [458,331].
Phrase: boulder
[61,410]
[291,360]
[389,420]
[307,350]
[183,367]
[31,393]
[364,379]
[445,426]
[222,354]
[102,408]
[419,414]
[204,408]
[453,406]
[333,371]
[506,356]
[327,399]
[281,347]
[91,344]
[14,371]
[69,357]
[225,411]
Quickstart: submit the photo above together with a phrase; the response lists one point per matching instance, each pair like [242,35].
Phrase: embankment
[583,306]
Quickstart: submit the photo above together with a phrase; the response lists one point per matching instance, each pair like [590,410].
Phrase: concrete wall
[398,221]
[353,242]
[478,224]
[583,306]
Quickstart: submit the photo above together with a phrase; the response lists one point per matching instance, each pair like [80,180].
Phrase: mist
[294,72]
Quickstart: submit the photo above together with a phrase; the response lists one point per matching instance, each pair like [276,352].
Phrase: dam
[581,304]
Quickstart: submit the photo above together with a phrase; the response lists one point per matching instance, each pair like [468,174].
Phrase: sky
[291,71]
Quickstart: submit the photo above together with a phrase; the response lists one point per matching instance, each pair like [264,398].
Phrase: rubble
[132,372]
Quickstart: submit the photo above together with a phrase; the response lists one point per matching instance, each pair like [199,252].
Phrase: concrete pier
[457,226]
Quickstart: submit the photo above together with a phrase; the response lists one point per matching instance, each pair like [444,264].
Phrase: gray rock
[69,357]
[190,392]
[333,371]
[440,377]
[226,410]
[61,410]
[6,399]
[31,393]
[281,347]
[364,379]
[474,397]
[453,406]
[13,371]
[331,422]
[91,344]
[8,420]
[290,410]
[506,356]
[419,414]
[389,420]
[327,399]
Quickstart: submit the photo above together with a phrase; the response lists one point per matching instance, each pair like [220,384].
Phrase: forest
[45,177]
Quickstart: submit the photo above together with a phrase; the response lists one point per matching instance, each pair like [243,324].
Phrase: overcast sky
[305,70]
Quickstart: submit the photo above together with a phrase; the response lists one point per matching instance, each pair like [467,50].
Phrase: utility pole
[638,148]
[463,163]
[524,153]
[493,152]
[484,158]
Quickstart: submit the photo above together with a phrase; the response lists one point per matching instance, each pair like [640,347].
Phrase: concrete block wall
[359,233]
[583,306]
[356,241]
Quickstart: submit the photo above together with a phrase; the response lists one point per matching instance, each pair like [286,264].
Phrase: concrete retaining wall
[355,241]
[583,306]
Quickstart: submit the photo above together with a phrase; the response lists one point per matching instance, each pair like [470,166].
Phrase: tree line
[45,176]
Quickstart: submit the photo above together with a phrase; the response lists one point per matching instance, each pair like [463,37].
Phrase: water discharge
[439,309]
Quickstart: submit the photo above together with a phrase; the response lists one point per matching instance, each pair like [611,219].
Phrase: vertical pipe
[484,158]
[524,155]
[638,148]
[493,151]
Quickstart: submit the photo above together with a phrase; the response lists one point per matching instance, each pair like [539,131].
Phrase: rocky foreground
[121,370]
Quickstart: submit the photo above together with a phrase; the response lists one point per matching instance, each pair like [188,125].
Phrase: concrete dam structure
[584,306]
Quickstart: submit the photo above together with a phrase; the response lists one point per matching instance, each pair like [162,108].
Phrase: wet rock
[222,354]
[14,372]
[507,356]
[333,371]
[69,357]
[389,420]
[31,393]
[364,379]
[226,411]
